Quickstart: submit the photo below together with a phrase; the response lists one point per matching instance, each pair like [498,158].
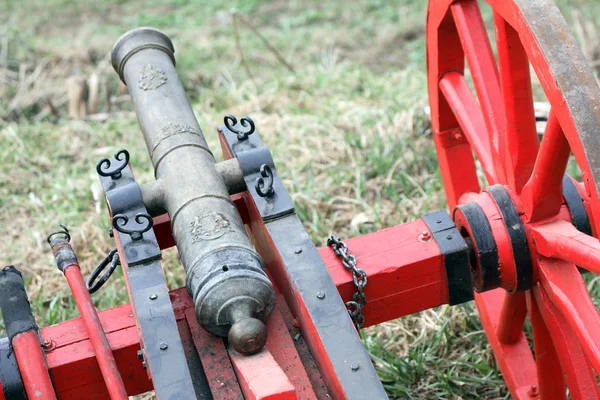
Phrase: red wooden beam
[261,377]
[405,274]
[396,255]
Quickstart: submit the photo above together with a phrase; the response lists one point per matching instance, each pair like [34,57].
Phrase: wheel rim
[496,122]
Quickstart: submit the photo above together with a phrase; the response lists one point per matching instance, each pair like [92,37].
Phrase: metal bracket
[260,174]
[456,256]
[157,328]
[130,218]
[332,335]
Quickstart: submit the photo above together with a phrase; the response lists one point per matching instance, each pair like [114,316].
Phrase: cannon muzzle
[225,277]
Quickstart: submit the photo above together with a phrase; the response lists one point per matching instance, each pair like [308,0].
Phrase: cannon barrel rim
[136,40]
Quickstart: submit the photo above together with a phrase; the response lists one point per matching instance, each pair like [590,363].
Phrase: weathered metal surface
[456,256]
[225,276]
[124,200]
[253,156]
[140,258]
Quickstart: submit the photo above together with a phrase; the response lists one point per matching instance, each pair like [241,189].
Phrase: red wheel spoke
[515,360]
[549,371]
[512,318]
[478,51]
[561,240]
[580,376]
[562,281]
[521,136]
[469,116]
[542,195]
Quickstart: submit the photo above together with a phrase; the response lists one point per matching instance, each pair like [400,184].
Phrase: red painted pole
[66,260]
[104,355]
[32,366]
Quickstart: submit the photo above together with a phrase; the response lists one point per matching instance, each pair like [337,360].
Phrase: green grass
[347,130]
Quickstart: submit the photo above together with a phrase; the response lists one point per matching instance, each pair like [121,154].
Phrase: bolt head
[320,295]
[164,346]
[425,236]
[298,250]
[355,367]
[153,296]
[140,354]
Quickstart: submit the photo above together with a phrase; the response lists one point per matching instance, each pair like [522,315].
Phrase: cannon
[265,314]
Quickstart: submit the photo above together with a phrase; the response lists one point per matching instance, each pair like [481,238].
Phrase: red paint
[515,359]
[281,347]
[542,196]
[468,114]
[549,371]
[565,323]
[573,361]
[104,355]
[217,367]
[519,118]
[32,365]
[261,377]
[406,275]
[512,318]
[480,58]
[560,239]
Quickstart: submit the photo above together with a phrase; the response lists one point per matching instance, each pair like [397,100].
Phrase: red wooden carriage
[517,245]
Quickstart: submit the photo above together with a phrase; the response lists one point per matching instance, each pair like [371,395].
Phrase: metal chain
[112,261]
[359,277]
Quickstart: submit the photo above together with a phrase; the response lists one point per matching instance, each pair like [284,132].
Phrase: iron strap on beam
[163,351]
[301,275]
[456,256]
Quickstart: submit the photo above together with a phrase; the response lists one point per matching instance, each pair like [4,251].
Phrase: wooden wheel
[523,226]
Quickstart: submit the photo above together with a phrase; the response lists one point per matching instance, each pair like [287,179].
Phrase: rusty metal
[359,278]
[112,262]
[225,276]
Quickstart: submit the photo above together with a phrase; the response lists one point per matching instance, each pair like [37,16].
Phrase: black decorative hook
[104,166]
[230,121]
[63,231]
[120,222]
[264,183]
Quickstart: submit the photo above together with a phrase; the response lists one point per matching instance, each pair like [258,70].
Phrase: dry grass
[347,131]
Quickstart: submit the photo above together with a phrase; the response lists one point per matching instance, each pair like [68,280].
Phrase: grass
[347,129]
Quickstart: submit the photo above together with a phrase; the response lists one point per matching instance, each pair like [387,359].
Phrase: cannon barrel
[232,295]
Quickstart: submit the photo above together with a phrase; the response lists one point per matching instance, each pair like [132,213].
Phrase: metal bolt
[297,337]
[144,364]
[425,236]
[533,391]
[298,250]
[48,345]
[449,237]
[439,221]
[163,346]
[153,296]
[140,354]
[111,233]
[355,367]
[320,295]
